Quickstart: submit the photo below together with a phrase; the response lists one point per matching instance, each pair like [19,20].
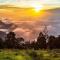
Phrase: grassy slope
[29,55]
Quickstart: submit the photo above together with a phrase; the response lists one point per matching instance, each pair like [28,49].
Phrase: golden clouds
[23,14]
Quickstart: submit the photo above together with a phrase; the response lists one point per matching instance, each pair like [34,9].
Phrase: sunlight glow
[37,7]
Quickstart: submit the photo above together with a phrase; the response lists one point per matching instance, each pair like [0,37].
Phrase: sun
[37,7]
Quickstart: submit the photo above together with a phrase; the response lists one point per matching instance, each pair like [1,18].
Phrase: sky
[28,26]
[28,23]
[28,3]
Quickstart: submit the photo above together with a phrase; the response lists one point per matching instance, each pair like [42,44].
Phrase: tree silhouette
[33,45]
[41,41]
[11,41]
[1,43]
[51,42]
[20,42]
[57,42]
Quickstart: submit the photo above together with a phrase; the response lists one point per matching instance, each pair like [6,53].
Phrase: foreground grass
[29,54]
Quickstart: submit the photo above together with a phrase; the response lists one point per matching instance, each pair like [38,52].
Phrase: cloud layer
[29,29]
[29,2]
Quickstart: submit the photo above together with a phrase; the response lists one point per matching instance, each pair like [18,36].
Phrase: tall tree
[41,41]
[20,43]
[1,43]
[57,43]
[11,41]
[51,42]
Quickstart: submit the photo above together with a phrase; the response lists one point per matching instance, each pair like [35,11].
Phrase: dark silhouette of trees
[20,39]
[57,42]
[41,41]
[33,45]
[54,42]
[11,41]
[51,42]
[21,43]
[1,43]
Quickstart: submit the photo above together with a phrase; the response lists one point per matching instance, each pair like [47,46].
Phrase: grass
[29,54]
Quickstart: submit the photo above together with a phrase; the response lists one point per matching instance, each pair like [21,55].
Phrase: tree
[11,41]
[1,43]
[41,41]
[20,42]
[52,42]
[57,42]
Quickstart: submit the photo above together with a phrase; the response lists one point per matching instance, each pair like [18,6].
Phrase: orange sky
[33,21]
[23,14]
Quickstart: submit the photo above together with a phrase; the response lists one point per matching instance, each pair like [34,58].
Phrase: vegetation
[11,42]
[10,48]
[29,54]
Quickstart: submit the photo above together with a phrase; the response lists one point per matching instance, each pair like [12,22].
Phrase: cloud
[29,29]
[27,3]
[25,33]
[6,26]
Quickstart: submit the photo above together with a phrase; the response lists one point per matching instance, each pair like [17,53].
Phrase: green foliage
[29,55]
